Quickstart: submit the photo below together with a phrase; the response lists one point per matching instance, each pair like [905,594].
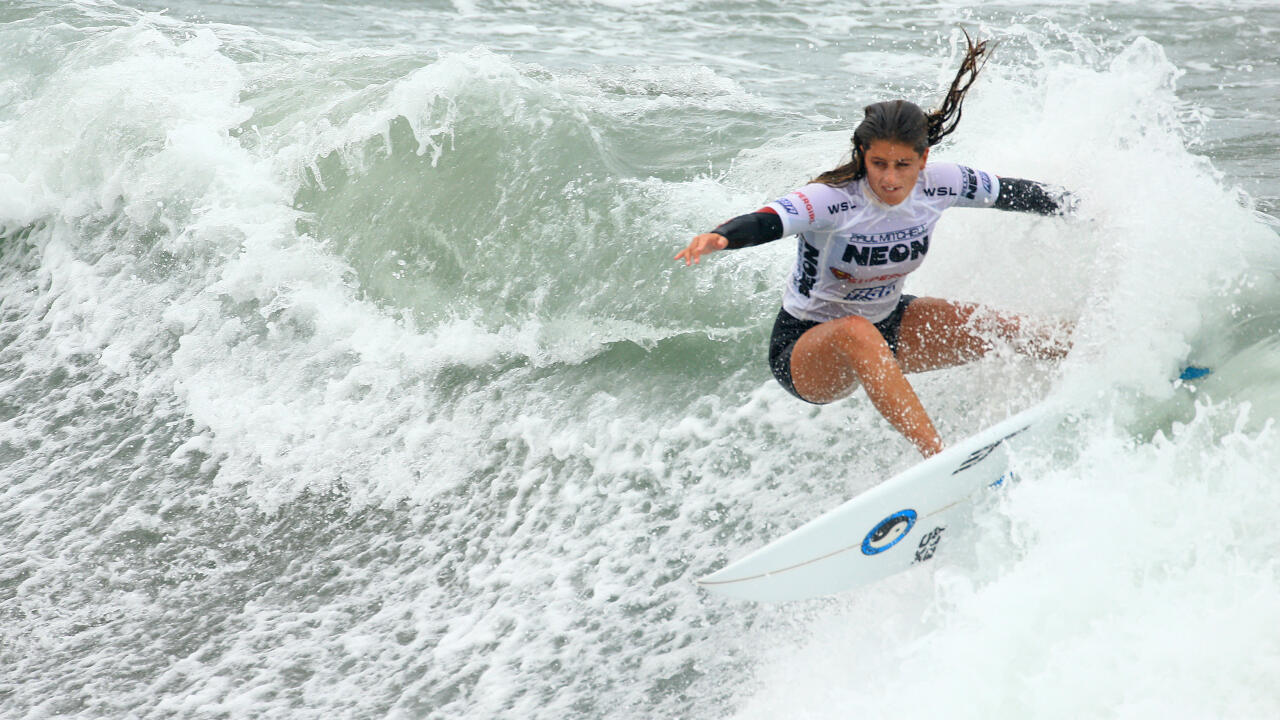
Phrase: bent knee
[858,335]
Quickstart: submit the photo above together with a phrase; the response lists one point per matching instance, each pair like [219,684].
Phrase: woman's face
[892,169]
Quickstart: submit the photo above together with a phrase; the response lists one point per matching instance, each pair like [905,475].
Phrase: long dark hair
[904,122]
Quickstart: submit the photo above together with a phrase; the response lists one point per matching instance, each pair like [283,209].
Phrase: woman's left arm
[1031,196]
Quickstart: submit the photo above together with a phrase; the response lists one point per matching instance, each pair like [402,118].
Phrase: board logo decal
[888,532]
[1007,476]
[928,544]
[981,453]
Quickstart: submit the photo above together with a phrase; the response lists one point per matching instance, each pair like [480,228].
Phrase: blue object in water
[1191,372]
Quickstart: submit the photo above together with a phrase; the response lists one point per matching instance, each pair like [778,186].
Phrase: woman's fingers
[701,245]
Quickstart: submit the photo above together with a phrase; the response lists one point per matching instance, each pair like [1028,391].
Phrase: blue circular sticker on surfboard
[888,532]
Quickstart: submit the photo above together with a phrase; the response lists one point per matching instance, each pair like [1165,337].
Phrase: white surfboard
[890,527]
[882,531]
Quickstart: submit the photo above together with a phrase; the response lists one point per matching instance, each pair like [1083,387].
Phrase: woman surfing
[861,229]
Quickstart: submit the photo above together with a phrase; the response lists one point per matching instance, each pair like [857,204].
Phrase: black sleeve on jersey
[1031,196]
[754,228]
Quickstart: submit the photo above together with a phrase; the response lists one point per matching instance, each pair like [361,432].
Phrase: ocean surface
[345,371]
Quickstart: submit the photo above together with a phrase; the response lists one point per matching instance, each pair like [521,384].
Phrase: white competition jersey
[854,250]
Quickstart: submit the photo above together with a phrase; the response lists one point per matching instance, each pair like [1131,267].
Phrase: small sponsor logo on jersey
[808,268]
[872,293]
[970,182]
[841,207]
[788,206]
[842,275]
[986,182]
[866,255]
[807,205]
[892,236]
[939,191]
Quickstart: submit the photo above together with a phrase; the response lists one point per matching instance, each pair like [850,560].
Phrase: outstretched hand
[701,245]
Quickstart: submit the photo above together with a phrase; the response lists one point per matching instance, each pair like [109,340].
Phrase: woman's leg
[938,333]
[830,360]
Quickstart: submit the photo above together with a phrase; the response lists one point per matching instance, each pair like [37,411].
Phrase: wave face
[345,371]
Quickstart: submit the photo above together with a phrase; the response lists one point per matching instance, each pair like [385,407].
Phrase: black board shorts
[788,328]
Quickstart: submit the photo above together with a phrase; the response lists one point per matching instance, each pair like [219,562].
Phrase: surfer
[862,228]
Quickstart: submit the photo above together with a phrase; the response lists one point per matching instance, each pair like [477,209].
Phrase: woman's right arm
[754,228]
[813,207]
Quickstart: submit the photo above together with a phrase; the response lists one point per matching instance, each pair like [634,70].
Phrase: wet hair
[904,122]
